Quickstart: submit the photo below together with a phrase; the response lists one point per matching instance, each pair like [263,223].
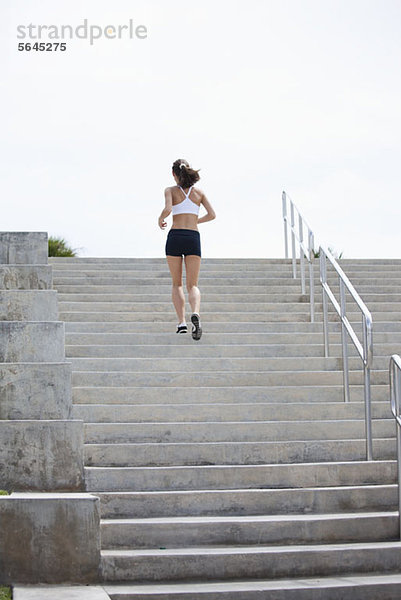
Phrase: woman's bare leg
[192,267]
[177,293]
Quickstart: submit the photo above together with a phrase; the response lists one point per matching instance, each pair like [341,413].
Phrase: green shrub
[5,593]
[316,254]
[60,247]
[3,493]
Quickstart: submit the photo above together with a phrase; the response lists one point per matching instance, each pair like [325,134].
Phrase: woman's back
[186,203]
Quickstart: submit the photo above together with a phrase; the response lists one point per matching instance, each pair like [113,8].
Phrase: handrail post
[285,218]
[301,254]
[397,383]
[394,372]
[294,257]
[344,342]
[365,348]
[311,246]
[295,225]
[323,279]
[366,391]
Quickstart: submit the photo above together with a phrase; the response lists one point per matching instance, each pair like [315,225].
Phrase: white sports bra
[186,206]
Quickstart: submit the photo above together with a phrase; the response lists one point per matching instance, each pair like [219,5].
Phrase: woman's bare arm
[167,208]
[210,214]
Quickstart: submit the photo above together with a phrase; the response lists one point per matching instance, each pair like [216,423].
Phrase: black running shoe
[196,327]
[182,329]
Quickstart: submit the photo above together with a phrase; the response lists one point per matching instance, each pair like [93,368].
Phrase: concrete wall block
[49,538]
[22,341]
[41,456]
[26,277]
[35,391]
[28,305]
[23,247]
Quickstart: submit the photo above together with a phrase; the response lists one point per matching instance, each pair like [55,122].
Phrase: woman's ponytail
[186,175]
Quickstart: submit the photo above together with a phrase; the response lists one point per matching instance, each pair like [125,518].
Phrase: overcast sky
[262,96]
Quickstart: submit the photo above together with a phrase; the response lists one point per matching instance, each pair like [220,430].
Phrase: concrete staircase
[231,468]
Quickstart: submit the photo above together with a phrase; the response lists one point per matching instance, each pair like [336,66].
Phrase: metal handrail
[395,397]
[304,251]
[364,349]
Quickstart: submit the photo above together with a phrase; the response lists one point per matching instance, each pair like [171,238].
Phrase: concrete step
[204,364]
[234,431]
[224,317]
[213,563]
[207,307]
[142,298]
[221,271]
[220,378]
[235,278]
[208,263]
[223,395]
[163,288]
[277,277]
[94,340]
[229,477]
[313,500]
[182,413]
[199,364]
[233,453]
[233,271]
[207,266]
[187,349]
[217,317]
[360,262]
[292,341]
[215,307]
[181,532]
[162,259]
[216,313]
[240,282]
[238,316]
[216,288]
[353,587]
[169,327]
[222,330]
[212,297]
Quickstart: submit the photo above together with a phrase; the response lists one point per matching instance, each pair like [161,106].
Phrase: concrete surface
[208,563]
[23,247]
[229,477]
[354,587]
[35,390]
[23,341]
[28,305]
[26,277]
[41,455]
[310,500]
[59,592]
[49,538]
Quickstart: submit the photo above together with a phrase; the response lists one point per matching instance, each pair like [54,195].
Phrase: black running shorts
[183,242]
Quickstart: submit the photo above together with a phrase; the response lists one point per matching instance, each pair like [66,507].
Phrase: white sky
[263,95]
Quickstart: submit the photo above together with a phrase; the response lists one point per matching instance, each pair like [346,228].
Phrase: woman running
[183,239]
